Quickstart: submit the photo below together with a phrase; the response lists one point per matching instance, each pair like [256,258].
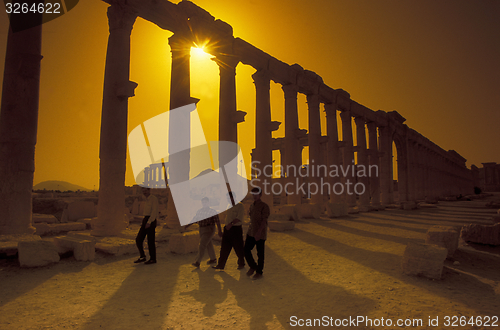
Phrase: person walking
[148,228]
[257,234]
[207,219]
[233,234]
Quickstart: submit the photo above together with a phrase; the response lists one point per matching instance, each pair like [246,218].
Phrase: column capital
[371,125]
[346,114]
[227,62]
[313,99]
[261,78]
[180,42]
[360,120]
[331,109]
[290,91]
[121,18]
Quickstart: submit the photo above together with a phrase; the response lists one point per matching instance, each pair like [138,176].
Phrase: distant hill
[58,185]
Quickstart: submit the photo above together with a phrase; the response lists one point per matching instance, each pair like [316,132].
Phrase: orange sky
[434,61]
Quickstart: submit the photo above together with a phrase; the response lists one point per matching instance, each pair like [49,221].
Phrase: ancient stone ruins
[426,172]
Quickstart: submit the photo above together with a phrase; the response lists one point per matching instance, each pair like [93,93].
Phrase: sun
[199,54]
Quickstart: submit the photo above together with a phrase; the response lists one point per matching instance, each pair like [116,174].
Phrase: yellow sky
[435,62]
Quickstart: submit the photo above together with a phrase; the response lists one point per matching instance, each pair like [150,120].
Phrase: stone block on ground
[87,222]
[37,253]
[430,200]
[310,211]
[334,210]
[8,248]
[482,234]
[445,236]
[424,260]
[43,229]
[288,210]
[83,249]
[183,243]
[116,246]
[81,209]
[281,225]
[47,218]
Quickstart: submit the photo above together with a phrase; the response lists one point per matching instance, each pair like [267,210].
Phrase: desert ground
[334,270]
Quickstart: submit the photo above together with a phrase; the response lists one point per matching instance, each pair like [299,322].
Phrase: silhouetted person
[207,219]
[257,234]
[233,234]
[148,228]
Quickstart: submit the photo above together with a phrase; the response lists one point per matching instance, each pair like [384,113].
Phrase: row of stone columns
[424,171]
[378,189]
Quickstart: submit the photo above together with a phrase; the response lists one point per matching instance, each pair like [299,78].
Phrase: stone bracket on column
[274,126]
[300,133]
[126,89]
[239,116]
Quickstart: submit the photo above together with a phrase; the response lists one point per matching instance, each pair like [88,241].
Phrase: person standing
[233,234]
[148,228]
[207,219]
[257,234]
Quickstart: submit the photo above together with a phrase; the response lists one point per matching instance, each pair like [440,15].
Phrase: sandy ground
[329,268]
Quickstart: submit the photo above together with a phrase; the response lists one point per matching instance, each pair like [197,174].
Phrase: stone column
[293,156]
[374,164]
[228,126]
[364,198]
[348,158]
[412,168]
[314,148]
[263,135]
[179,132]
[333,151]
[18,128]
[113,145]
[420,173]
[385,166]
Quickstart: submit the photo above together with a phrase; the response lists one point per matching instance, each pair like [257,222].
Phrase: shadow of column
[285,292]
[143,298]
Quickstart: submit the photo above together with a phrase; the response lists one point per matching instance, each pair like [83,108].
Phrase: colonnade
[425,171]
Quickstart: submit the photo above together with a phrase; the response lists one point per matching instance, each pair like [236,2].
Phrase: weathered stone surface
[81,209]
[50,229]
[445,236]
[47,218]
[83,249]
[288,210]
[482,234]
[408,206]
[37,253]
[103,229]
[116,246]
[334,210]
[496,218]
[183,243]
[424,260]
[430,200]
[277,225]
[278,217]
[138,207]
[310,211]
[87,222]
[8,248]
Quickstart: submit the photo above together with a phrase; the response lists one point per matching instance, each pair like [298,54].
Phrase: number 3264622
[35,8]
